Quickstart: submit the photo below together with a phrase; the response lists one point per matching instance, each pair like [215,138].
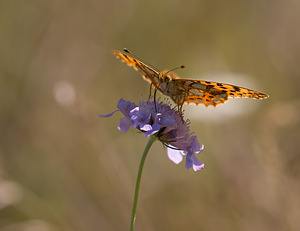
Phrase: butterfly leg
[150,90]
[179,108]
[154,98]
[180,103]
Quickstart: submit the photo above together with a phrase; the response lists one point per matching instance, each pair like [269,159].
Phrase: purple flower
[166,123]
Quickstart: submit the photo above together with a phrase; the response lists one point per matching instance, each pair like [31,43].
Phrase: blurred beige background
[63,168]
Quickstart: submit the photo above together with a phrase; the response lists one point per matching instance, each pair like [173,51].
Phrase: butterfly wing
[210,93]
[148,73]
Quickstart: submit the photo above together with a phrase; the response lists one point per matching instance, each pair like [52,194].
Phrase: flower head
[166,123]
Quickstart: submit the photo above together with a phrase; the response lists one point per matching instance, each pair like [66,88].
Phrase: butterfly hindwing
[212,93]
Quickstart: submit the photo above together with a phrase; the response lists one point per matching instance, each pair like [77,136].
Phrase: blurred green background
[64,168]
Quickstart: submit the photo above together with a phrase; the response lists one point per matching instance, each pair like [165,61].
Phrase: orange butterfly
[186,90]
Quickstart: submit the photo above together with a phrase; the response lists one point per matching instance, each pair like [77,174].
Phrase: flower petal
[197,164]
[145,114]
[198,167]
[135,116]
[188,162]
[124,124]
[108,115]
[146,127]
[155,129]
[195,146]
[125,106]
[201,149]
[166,122]
[134,112]
[174,155]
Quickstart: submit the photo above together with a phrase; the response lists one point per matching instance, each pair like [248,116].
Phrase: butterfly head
[167,76]
[170,74]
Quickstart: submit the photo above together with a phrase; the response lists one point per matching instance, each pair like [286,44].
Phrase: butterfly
[186,91]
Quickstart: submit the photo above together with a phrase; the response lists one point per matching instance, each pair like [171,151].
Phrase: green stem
[138,181]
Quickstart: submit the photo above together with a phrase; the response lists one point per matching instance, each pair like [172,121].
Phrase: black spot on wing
[236,88]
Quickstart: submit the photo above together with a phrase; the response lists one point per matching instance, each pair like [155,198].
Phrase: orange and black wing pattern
[149,73]
[211,93]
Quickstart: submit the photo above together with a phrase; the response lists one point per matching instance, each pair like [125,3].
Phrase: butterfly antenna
[176,68]
[150,65]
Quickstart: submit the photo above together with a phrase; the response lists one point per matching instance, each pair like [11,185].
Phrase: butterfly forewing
[148,73]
